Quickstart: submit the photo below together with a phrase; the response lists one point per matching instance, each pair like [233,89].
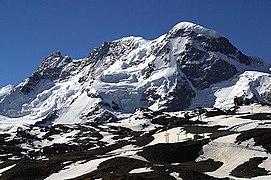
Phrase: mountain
[190,66]
[187,105]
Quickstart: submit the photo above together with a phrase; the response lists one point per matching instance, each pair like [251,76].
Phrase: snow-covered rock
[187,67]
[5,90]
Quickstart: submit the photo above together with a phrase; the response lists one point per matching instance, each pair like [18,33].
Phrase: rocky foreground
[200,144]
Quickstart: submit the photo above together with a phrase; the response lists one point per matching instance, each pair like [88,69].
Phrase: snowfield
[225,150]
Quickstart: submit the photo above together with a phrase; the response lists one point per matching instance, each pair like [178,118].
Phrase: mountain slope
[141,109]
[189,66]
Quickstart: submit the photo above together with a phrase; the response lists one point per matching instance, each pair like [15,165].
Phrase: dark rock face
[96,59]
[106,55]
[104,117]
[151,95]
[33,80]
[267,96]
[48,120]
[214,44]
[178,99]
[99,115]
[204,69]
[115,106]
[200,61]
[148,71]
[182,96]
[223,46]
[99,53]
[50,69]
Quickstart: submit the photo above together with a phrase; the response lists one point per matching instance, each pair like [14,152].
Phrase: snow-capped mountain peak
[141,109]
[189,66]
[188,26]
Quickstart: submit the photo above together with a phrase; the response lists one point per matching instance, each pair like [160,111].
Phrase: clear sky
[31,29]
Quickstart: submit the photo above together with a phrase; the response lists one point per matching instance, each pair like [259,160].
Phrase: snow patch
[6,168]
[141,170]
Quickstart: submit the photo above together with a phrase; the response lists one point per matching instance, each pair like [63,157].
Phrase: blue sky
[31,29]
